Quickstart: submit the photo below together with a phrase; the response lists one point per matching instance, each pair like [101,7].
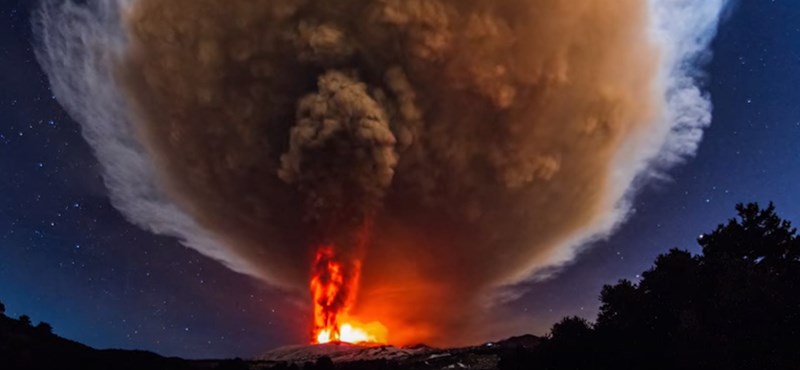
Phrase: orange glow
[353,332]
[333,288]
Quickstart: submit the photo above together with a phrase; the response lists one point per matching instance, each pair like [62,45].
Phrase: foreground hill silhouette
[736,305]
[24,347]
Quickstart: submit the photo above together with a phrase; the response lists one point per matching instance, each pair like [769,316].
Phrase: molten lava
[333,288]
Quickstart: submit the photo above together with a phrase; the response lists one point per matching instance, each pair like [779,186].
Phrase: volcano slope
[353,356]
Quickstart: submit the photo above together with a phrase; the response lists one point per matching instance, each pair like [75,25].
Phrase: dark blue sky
[68,258]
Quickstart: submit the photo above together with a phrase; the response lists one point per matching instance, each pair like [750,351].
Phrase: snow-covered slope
[480,357]
[343,352]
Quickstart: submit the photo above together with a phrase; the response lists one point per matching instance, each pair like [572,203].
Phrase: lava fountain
[334,286]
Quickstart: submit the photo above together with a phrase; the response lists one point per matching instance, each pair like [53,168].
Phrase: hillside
[24,347]
[349,356]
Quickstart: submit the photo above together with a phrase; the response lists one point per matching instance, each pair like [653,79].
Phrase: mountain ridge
[25,347]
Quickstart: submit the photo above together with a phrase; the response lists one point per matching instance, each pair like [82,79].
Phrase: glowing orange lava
[333,288]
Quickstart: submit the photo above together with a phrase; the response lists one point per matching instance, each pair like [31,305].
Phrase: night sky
[67,257]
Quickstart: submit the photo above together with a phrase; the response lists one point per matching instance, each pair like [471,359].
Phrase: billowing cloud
[480,143]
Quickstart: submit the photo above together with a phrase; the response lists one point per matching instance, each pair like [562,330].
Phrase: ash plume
[477,143]
[341,152]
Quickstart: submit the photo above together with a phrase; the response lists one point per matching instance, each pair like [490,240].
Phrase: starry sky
[69,258]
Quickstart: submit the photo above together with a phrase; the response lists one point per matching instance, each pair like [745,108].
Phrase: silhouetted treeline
[734,306]
[24,346]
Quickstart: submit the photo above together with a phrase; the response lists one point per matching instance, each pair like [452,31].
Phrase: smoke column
[477,143]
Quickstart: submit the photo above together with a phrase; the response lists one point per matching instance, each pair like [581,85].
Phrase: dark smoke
[341,153]
[475,142]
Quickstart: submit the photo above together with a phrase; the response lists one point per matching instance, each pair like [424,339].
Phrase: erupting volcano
[485,141]
[334,285]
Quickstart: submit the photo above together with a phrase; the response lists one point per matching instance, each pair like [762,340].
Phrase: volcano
[344,352]
[483,356]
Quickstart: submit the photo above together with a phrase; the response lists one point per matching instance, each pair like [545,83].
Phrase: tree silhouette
[571,330]
[44,328]
[25,320]
[737,305]
[2,309]
[757,237]
[571,344]
[734,306]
